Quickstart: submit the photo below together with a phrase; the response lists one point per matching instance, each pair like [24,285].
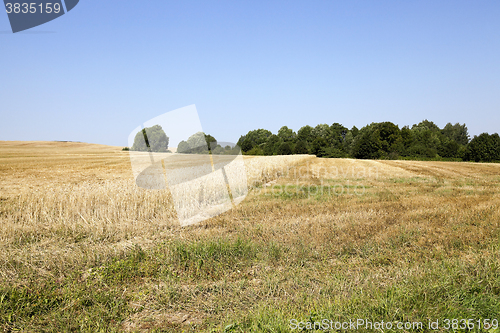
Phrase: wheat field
[82,248]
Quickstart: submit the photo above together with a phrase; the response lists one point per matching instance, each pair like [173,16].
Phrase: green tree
[286,134]
[152,139]
[218,150]
[427,140]
[354,131]
[140,141]
[284,149]
[333,152]
[484,148]
[211,142]
[255,151]
[301,148]
[426,125]
[253,138]
[458,133]
[196,144]
[322,131]
[378,140]
[348,143]
[391,142]
[272,144]
[305,134]
[449,148]
[374,141]
[367,143]
[318,146]
[183,147]
[337,135]
[407,138]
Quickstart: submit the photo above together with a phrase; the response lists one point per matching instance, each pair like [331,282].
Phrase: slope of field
[83,249]
[31,164]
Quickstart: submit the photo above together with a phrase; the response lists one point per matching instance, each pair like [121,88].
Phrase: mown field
[82,249]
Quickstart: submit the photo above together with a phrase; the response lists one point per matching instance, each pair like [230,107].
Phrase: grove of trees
[151,139]
[383,140]
[201,143]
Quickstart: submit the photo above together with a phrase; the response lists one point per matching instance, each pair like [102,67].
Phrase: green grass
[69,305]
[364,284]
[446,289]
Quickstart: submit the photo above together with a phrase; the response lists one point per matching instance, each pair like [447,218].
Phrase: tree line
[383,140]
[154,139]
[201,143]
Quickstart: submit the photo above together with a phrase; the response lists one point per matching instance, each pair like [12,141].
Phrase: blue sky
[98,72]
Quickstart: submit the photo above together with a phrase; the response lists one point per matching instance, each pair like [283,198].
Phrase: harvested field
[84,249]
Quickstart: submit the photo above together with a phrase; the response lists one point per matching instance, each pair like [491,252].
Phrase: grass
[84,250]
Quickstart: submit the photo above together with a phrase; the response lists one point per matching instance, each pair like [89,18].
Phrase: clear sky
[98,72]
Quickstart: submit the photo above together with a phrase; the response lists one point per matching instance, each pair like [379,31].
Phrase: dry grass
[315,238]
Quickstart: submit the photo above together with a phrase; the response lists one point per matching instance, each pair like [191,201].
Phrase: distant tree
[286,134]
[337,135]
[322,131]
[183,147]
[272,144]
[484,148]
[378,140]
[152,139]
[211,142]
[301,148]
[449,148]
[333,152]
[367,143]
[427,140]
[354,131]
[407,138]
[236,150]
[461,134]
[305,134]
[348,143]
[318,146]
[196,144]
[284,149]
[426,125]
[391,142]
[141,141]
[374,141]
[458,133]
[253,138]
[255,151]
[218,150]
